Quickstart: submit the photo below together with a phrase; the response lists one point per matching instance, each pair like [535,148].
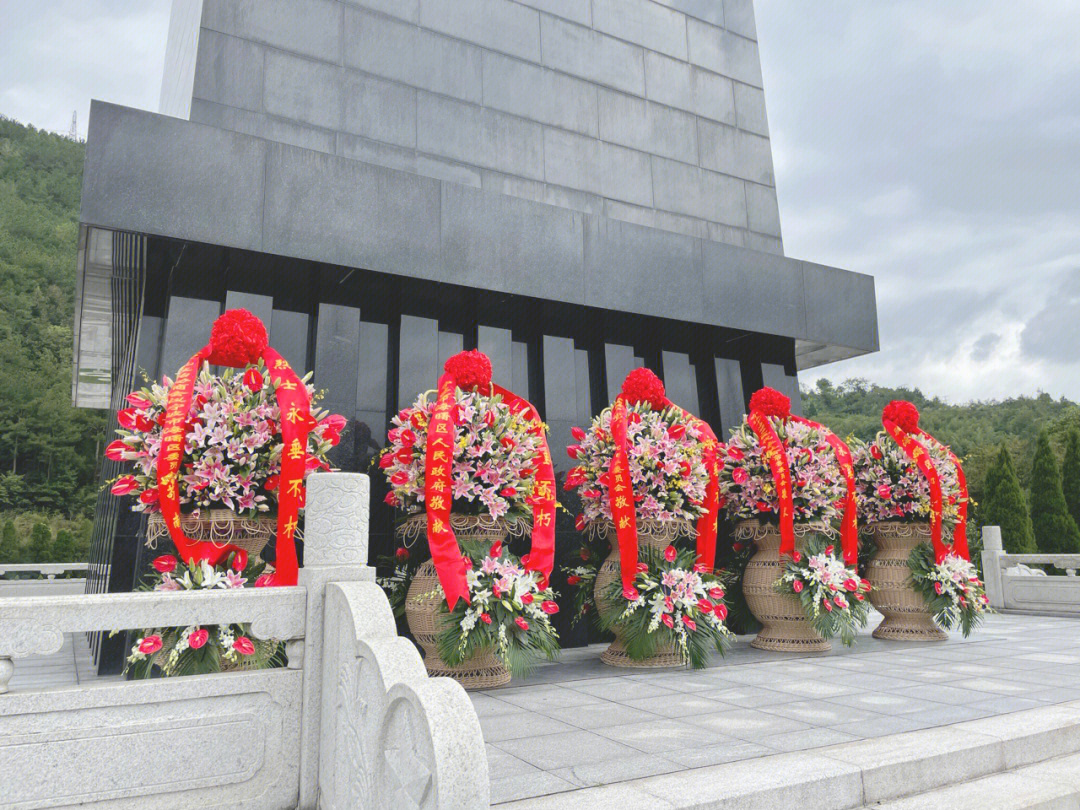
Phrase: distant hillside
[48,449]
[975,431]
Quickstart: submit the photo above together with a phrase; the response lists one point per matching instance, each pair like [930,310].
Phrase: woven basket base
[657,537]
[423,606]
[906,615]
[785,627]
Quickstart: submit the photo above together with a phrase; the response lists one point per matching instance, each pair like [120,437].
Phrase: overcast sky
[934,145]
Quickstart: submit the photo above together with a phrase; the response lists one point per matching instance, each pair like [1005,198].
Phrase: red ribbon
[438,492]
[621,494]
[917,452]
[296,422]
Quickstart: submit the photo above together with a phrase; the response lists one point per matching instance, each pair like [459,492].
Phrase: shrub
[41,544]
[1005,506]
[1055,530]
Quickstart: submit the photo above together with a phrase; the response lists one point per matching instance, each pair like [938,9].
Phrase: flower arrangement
[890,487]
[832,594]
[582,575]
[746,484]
[494,460]
[233,444]
[673,601]
[666,460]
[201,649]
[509,610]
[952,589]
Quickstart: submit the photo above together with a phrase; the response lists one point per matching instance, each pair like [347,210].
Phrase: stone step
[851,775]
[1050,785]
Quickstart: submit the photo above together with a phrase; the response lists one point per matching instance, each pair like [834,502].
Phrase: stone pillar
[991,560]
[335,549]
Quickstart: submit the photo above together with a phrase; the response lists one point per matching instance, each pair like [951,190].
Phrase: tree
[1070,473]
[10,550]
[64,549]
[1055,530]
[41,543]
[1004,506]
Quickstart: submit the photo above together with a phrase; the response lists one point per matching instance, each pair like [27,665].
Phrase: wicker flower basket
[785,627]
[652,534]
[424,601]
[907,617]
[222,527]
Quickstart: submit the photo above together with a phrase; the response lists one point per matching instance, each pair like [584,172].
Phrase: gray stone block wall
[647,111]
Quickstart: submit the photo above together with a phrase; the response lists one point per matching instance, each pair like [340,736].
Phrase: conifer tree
[1004,506]
[64,549]
[10,550]
[1055,530]
[41,543]
[1070,473]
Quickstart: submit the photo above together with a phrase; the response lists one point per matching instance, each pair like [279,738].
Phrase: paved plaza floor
[69,667]
[578,723]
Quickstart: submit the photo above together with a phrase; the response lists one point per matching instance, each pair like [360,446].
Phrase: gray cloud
[1054,332]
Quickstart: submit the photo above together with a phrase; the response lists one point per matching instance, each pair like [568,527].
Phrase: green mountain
[976,430]
[49,450]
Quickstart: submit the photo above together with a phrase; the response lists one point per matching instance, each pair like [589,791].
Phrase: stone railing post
[335,550]
[991,560]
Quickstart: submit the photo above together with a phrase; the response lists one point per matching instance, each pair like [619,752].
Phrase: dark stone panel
[154,174]
[841,307]
[494,242]
[680,380]
[262,306]
[729,388]
[418,358]
[351,213]
[289,336]
[187,330]
[633,268]
[744,289]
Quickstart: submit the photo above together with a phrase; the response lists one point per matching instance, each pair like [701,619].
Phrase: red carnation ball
[471,370]
[237,339]
[903,413]
[770,402]
[642,385]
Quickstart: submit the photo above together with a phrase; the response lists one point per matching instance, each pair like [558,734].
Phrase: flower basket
[785,627]
[425,607]
[222,527]
[907,615]
[652,534]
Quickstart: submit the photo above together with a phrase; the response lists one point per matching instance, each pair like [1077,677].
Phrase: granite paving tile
[619,770]
[658,736]
[566,750]
[747,724]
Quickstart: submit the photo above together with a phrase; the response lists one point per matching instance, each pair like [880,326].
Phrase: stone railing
[353,721]
[1012,585]
[44,570]
[41,579]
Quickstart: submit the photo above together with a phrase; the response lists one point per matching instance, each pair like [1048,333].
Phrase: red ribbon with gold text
[438,492]
[296,423]
[900,420]
[623,513]
[777,459]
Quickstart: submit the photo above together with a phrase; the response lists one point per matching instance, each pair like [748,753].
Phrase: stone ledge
[896,768]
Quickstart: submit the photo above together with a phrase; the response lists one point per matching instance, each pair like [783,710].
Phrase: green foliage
[41,544]
[10,549]
[1055,530]
[947,612]
[64,549]
[49,450]
[1004,506]
[1070,473]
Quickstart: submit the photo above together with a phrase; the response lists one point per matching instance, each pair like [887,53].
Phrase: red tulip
[244,646]
[118,451]
[198,638]
[670,553]
[125,485]
[520,622]
[150,645]
[253,380]
[165,564]
[577,433]
[549,607]
[485,618]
